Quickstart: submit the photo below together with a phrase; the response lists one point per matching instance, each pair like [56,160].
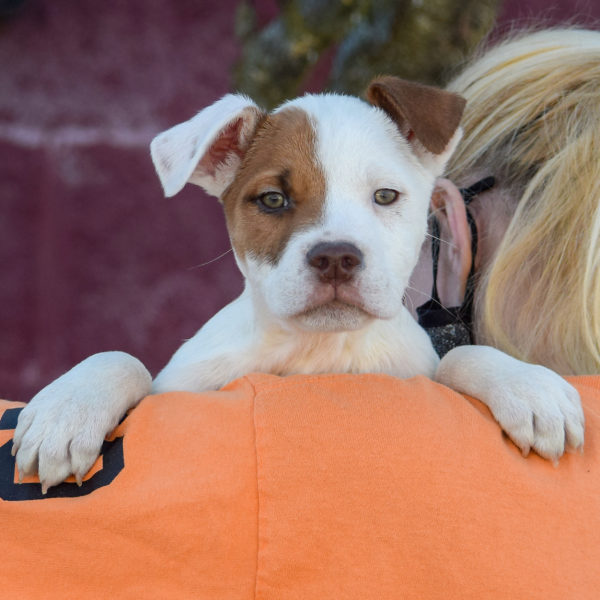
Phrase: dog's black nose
[335,261]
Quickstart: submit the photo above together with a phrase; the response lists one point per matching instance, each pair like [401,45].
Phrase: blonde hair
[533,121]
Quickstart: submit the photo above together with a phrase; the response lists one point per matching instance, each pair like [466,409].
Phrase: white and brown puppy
[326,203]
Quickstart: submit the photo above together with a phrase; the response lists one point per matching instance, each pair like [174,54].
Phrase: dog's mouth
[335,308]
[346,293]
[334,316]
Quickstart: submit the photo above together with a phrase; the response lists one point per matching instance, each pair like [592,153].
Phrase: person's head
[533,122]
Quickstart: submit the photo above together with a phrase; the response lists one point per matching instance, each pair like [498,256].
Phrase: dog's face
[326,198]
[327,213]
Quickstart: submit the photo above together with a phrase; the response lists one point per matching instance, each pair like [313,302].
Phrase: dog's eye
[272,201]
[385,196]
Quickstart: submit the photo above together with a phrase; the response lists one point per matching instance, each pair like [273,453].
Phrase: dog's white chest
[396,346]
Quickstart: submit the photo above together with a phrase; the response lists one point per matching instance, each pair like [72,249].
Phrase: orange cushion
[333,486]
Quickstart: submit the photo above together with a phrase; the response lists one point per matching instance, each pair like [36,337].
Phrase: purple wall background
[92,257]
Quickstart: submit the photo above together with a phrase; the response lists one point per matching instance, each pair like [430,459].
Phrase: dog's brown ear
[426,116]
[206,150]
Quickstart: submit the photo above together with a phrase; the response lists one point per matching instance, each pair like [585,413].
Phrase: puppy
[326,202]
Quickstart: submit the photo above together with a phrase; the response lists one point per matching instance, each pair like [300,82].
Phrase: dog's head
[325,198]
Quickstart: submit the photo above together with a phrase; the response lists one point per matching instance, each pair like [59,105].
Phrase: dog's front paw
[61,431]
[536,408]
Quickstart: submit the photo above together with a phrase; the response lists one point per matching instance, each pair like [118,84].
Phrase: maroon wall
[92,257]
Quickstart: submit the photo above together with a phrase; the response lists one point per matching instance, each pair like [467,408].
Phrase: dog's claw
[61,430]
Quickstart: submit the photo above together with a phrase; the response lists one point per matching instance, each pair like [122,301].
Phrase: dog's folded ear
[427,117]
[206,150]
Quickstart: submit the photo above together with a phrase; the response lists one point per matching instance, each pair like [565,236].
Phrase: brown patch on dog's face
[281,158]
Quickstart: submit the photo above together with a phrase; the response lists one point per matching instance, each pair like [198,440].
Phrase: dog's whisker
[408,302]
[412,289]
[444,308]
[208,262]
[442,241]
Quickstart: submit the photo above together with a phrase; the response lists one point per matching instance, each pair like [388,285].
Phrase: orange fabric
[335,486]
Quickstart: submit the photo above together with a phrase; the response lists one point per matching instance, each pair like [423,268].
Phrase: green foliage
[417,39]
